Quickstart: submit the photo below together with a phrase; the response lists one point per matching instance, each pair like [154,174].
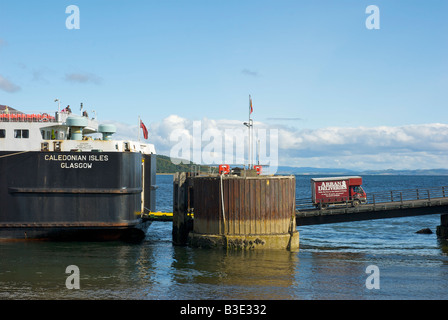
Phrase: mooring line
[13,154]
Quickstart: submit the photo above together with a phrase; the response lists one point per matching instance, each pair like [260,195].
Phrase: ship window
[42,132]
[2,133]
[57,146]
[21,134]
[126,146]
[44,146]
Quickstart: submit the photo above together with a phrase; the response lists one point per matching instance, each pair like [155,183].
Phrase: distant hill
[419,172]
[12,110]
[338,171]
[165,165]
[311,170]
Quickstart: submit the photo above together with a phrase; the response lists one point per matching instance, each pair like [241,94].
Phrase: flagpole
[252,151]
[139,125]
[250,140]
[249,137]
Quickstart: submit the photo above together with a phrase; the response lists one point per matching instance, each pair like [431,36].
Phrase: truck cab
[357,195]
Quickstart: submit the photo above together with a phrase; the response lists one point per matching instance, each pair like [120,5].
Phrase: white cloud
[83,78]
[405,147]
[372,140]
[422,146]
[249,72]
[7,85]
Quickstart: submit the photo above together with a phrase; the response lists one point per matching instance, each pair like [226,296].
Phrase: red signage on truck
[337,190]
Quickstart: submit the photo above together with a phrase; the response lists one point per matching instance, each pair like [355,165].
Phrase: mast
[251,132]
[139,127]
[249,125]
[250,136]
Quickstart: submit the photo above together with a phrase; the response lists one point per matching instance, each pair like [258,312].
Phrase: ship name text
[74,161]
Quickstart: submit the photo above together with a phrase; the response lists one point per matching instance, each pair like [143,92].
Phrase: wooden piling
[244,212]
[442,230]
[182,221]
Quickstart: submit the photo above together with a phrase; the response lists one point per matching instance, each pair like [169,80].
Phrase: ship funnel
[107,130]
[76,124]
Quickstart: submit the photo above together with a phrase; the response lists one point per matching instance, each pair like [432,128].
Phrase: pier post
[442,230]
[182,223]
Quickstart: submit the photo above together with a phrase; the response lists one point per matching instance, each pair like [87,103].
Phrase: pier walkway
[381,205]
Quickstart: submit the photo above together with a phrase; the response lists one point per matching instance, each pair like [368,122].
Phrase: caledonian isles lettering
[75,161]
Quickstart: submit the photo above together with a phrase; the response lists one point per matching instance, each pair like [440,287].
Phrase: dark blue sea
[333,261]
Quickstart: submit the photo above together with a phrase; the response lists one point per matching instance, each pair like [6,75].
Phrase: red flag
[145,131]
[250,105]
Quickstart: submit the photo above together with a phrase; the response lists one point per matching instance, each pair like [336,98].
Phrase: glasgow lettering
[76,165]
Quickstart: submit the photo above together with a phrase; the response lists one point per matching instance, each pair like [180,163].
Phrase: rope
[13,154]
[222,202]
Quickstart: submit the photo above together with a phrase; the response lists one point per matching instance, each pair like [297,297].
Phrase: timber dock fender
[236,212]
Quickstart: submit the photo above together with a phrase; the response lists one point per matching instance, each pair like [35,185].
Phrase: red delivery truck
[337,190]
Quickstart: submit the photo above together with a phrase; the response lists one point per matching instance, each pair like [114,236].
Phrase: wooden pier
[371,211]
[380,205]
[384,205]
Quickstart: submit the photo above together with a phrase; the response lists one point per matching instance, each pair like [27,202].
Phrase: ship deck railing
[13,116]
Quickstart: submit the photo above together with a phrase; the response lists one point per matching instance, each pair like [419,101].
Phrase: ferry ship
[64,177]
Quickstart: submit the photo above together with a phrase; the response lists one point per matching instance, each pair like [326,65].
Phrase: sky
[338,93]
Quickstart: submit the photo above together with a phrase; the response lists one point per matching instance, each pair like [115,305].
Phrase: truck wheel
[356,203]
[321,206]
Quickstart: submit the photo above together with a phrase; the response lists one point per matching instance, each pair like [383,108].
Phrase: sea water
[334,261]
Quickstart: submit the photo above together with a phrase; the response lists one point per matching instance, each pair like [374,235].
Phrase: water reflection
[443,245]
[237,274]
[144,271]
[36,270]
[155,269]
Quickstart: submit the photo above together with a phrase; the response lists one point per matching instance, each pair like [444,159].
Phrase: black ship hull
[75,195]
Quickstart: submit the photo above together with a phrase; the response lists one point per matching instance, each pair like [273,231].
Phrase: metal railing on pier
[407,195]
[304,204]
[386,197]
